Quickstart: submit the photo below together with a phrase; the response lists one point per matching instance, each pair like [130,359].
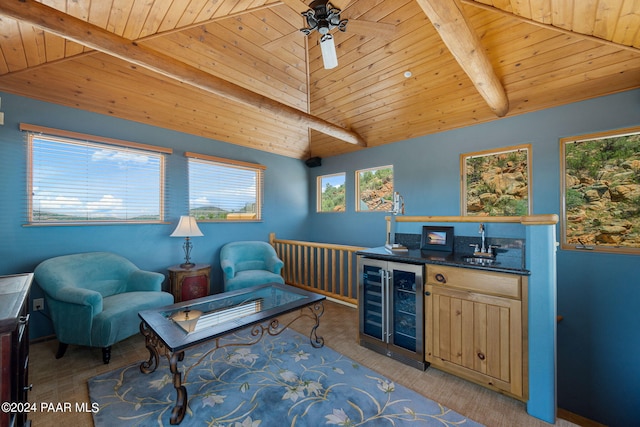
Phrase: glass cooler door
[405,289]
[373,300]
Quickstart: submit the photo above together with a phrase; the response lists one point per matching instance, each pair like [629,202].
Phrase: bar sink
[479,261]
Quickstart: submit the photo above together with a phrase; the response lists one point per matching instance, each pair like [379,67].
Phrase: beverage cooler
[391,309]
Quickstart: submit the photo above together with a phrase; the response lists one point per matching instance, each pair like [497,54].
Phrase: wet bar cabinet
[391,309]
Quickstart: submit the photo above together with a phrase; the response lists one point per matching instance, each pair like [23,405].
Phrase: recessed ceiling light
[407,74]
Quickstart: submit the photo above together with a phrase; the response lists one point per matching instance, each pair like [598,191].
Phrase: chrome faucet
[483,250]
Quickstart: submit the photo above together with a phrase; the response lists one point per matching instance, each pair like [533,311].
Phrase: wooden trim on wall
[93,138]
[223,160]
[578,419]
[543,219]
[527,220]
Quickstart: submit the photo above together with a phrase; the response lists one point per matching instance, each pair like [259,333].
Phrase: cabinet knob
[440,278]
[481,356]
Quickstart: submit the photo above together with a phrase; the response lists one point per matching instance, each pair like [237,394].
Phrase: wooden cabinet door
[476,336]
[189,283]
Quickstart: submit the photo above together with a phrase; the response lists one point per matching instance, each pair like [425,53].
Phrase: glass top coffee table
[172,329]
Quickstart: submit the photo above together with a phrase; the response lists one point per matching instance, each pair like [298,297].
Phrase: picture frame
[437,238]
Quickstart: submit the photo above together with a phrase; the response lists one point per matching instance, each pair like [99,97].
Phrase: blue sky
[335,180]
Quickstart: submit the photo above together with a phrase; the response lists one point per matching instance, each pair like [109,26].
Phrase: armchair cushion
[140,280]
[94,298]
[249,263]
[119,318]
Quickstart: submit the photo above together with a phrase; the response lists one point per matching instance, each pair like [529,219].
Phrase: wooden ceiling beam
[86,34]
[449,20]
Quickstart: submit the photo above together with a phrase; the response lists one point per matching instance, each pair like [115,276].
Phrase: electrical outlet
[38,304]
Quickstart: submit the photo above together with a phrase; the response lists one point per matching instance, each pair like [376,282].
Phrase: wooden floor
[65,380]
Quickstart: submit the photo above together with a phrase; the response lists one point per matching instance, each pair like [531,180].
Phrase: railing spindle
[324,268]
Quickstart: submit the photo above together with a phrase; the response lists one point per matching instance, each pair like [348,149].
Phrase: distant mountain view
[216,213]
[44,216]
[208,212]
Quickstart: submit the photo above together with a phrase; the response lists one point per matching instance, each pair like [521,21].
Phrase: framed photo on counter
[436,238]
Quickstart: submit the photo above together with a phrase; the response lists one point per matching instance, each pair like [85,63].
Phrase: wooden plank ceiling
[544,53]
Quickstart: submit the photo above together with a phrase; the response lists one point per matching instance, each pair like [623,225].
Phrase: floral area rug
[280,381]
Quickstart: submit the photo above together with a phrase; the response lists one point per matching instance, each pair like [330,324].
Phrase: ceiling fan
[323,16]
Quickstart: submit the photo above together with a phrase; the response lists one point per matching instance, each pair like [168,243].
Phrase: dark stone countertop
[502,264]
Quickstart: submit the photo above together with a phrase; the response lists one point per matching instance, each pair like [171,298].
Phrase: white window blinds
[76,181]
[224,190]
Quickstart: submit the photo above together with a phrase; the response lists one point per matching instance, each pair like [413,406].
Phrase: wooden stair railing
[324,268]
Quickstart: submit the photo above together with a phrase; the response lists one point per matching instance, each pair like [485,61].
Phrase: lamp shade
[329,55]
[187,227]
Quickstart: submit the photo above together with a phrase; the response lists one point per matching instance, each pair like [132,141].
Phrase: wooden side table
[189,283]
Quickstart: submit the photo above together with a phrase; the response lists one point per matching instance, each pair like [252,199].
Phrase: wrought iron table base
[157,348]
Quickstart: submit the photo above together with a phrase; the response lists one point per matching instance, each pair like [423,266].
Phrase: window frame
[97,142]
[320,192]
[600,137]
[237,164]
[383,206]
[464,196]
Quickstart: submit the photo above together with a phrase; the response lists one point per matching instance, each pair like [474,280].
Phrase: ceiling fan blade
[368,28]
[296,5]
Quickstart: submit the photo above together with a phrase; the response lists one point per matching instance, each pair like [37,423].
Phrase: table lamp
[187,228]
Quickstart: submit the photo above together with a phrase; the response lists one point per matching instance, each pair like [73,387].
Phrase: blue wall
[598,294]
[148,246]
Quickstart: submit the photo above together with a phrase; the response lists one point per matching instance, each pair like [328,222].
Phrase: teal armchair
[94,298]
[249,263]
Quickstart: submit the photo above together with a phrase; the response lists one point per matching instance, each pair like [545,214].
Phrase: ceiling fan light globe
[329,55]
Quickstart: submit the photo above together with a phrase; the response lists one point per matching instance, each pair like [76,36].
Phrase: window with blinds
[224,190]
[82,181]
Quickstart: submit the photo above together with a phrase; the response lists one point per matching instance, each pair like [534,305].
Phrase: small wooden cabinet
[476,323]
[189,283]
[14,346]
